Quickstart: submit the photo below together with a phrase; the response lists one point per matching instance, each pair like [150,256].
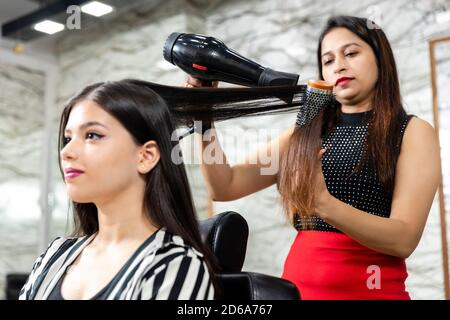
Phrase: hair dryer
[208,58]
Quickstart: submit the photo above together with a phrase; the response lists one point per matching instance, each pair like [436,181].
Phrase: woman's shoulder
[61,244]
[417,127]
[64,240]
[170,243]
[419,134]
[169,251]
[183,269]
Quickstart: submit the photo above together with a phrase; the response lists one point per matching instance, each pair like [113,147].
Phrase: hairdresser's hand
[192,82]
[322,196]
[204,126]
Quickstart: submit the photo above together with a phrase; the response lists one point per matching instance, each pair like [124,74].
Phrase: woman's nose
[339,65]
[68,152]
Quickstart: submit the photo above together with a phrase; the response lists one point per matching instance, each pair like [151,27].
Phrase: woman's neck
[123,219]
[358,106]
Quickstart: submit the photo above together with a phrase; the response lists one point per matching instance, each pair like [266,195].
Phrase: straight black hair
[167,199]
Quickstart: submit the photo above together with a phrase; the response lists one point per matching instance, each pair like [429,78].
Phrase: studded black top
[362,190]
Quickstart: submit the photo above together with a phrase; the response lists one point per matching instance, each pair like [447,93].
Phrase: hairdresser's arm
[258,171]
[416,180]
[225,182]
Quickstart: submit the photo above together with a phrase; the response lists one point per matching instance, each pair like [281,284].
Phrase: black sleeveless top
[55,294]
[345,147]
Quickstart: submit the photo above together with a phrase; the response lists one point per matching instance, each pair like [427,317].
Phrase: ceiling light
[96,8]
[49,27]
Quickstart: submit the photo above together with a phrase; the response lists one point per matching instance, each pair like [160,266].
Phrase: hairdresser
[360,212]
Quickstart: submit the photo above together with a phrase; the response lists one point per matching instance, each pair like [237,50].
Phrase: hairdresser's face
[99,146]
[344,54]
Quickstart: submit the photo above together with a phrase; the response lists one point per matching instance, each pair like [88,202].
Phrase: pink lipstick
[72,173]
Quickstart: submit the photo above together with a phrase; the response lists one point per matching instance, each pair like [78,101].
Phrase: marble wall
[21,139]
[280,34]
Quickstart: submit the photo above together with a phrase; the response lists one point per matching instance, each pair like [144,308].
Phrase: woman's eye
[351,54]
[93,136]
[327,62]
[66,140]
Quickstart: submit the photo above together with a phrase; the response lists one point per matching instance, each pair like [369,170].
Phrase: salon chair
[226,234]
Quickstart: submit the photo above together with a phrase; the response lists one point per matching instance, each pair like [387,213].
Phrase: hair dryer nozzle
[270,77]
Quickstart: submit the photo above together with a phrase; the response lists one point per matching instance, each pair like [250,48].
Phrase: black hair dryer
[209,59]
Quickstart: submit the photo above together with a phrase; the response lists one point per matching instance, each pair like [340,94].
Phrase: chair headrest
[226,234]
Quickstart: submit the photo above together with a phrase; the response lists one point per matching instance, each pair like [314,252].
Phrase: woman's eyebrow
[343,47]
[87,125]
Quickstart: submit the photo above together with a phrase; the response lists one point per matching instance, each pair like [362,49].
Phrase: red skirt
[332,266]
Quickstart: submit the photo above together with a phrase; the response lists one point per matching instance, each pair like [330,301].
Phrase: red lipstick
[343,81]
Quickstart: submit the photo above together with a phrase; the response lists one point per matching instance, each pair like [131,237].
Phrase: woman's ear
[148,157]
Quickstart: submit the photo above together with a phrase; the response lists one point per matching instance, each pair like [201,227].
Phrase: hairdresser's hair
[298,167]
[167,199]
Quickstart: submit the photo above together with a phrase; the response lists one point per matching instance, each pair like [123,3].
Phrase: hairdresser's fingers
[194,82]
[197,83]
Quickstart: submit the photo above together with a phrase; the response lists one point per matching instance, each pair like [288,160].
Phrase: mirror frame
[432,44]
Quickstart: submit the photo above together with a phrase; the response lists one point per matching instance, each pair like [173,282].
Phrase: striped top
[164,267]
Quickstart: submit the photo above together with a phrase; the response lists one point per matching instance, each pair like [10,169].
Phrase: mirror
[440,81]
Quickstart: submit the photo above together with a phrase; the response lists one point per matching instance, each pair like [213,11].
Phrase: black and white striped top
[164,267]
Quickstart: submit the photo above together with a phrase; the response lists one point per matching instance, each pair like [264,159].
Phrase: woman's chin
[79,198]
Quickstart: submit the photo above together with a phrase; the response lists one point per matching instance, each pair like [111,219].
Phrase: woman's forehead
[338,38]
[88,111]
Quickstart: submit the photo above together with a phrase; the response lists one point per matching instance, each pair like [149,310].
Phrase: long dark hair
[219,104]
[167,199]
[298,166]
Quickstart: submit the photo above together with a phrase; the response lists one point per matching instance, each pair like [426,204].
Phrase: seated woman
[135,229]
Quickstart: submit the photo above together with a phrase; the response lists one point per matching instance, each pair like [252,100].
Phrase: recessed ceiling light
[49,27]
[96,8]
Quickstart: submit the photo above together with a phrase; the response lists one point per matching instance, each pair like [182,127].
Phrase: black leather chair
[14,283]
[226,234]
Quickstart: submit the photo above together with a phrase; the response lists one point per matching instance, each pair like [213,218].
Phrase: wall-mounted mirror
[440,78]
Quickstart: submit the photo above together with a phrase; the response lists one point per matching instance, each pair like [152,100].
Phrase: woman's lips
[343,82]
[72,175]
